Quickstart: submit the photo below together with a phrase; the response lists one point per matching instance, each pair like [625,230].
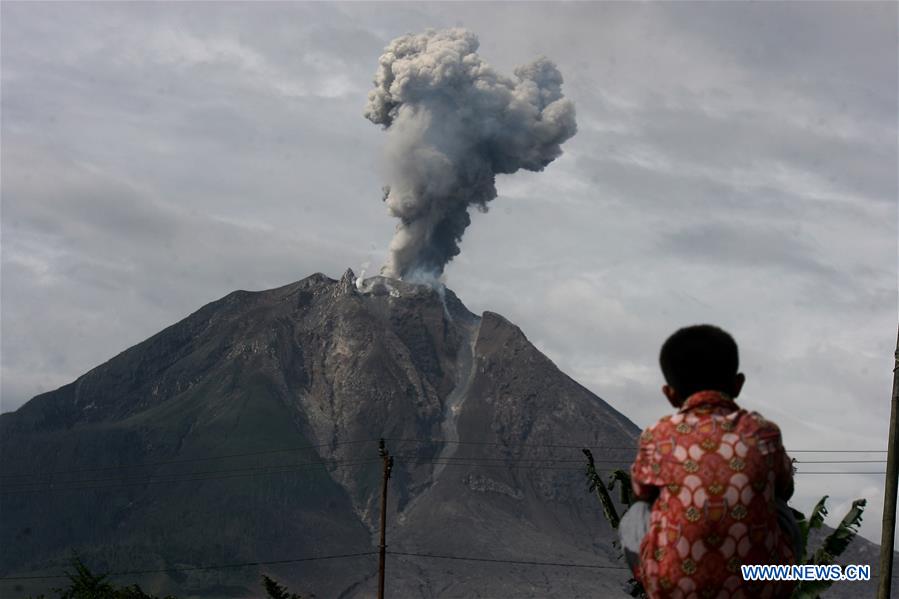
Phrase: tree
[84,584]
[276,591]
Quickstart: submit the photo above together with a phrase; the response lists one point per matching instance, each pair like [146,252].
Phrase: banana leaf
[815,520]
[837,541]
[595,485]
[623,479]
[834,545]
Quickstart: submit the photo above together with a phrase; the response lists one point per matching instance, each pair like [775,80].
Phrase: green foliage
[595,484]
[623,479]
[276,591]
[834,545]
[84,584]
[815,520]
[837,541]
[819,512]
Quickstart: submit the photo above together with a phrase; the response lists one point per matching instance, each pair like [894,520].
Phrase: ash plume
[453,124]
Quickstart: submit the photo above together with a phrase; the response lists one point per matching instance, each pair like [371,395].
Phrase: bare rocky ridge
[485,429]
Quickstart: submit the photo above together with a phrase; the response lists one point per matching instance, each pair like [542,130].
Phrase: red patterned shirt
[717,469]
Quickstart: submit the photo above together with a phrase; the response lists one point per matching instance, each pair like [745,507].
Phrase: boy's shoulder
[765,432]
[672,420]
[744,421]
[756,421]
[664,426]
[661,424]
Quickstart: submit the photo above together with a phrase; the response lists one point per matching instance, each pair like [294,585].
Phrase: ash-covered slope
[187,450]
[116,465]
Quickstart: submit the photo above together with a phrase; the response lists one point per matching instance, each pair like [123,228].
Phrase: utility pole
[889,493]
[387,462]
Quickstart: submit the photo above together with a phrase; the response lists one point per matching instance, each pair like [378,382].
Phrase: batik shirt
[718,469]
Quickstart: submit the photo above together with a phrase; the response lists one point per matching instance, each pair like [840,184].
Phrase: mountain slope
[317,363]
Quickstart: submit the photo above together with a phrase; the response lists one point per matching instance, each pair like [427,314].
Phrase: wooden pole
[387,461]
[888,531]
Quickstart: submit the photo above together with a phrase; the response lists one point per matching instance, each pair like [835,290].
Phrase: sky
[735,163]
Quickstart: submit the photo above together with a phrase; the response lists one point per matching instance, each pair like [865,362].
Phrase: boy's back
[715,475]
[718,470]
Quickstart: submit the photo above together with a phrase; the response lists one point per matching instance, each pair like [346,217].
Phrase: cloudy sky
[734,164]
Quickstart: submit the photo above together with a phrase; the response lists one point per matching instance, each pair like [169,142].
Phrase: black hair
[699,358]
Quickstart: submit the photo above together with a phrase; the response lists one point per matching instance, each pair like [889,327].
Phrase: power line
[413,457]
[255,453]
[202,459]
[47,480]
[507,561]
[114,482]
[856,472]
[328,557]
[836,451]
[513,446]
[123,478]
[841,461]
[196,568]
[510,466]
[534,462]
[262,471]
[591,446]
[406,457]
[531,463]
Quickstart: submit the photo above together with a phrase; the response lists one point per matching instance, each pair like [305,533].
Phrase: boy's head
[699,358]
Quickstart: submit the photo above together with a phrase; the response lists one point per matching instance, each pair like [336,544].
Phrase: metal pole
[889,493]
[387,461]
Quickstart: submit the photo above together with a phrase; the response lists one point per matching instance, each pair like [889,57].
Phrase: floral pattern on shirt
[718,469]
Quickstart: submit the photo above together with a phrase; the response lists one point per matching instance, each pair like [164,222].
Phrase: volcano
[244,440]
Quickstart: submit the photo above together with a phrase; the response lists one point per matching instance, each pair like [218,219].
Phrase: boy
[717,478]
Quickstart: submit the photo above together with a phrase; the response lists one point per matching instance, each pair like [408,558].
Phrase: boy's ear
[738,384]
[673,396]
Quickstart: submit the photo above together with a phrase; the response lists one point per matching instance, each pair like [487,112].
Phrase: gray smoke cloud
[453,124]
